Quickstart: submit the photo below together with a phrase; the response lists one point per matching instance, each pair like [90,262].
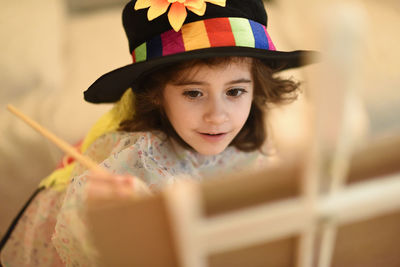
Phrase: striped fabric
[205,34]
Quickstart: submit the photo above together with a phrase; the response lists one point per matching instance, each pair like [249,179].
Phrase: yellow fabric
[59,178]
[109,122]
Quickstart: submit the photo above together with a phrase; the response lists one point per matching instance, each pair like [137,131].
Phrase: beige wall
[48,59]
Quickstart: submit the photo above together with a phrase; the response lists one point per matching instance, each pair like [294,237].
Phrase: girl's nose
[216,112]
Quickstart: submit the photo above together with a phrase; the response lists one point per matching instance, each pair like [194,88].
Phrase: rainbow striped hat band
[165,32]
[217,32]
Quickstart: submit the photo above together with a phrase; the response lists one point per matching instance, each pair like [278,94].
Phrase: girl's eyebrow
[242,80]
[182,83]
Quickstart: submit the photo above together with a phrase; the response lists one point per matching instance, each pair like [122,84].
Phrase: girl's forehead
[195,68]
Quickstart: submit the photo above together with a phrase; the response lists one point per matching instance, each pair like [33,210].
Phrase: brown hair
[268,88]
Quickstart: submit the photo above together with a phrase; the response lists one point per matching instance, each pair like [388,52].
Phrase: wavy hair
[268,89]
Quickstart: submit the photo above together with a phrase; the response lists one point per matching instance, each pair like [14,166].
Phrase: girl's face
[210,105]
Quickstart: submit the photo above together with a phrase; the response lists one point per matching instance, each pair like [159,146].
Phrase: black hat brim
[112,85]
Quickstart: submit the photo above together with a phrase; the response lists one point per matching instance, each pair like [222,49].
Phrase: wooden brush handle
[64,146]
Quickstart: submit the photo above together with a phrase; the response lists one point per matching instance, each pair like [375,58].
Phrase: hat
[164,32]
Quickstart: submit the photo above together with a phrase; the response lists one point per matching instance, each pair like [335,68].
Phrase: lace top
[60,229]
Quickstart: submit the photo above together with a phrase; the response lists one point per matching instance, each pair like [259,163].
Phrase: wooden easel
[259,219]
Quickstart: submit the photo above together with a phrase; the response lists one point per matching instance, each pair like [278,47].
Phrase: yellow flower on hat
[177,12]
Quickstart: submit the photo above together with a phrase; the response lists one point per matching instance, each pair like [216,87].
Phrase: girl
[200,85]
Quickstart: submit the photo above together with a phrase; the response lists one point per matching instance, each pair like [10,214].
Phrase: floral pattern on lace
[60,217]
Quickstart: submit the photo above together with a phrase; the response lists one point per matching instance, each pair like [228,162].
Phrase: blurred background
[52,50]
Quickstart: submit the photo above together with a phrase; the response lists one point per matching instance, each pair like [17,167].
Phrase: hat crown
[238,29]
[139,29]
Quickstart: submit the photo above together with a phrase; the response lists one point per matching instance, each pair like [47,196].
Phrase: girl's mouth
[213,137]
[210,134]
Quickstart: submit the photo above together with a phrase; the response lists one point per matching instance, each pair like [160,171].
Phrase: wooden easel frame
[195,222]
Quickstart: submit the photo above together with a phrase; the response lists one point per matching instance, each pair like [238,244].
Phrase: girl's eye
[235,92]
[192,94]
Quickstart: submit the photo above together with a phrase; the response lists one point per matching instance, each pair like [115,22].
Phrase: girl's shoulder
[114,142]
